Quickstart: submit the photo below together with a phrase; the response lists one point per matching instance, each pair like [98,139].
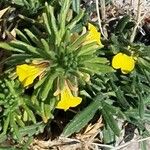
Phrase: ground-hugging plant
[57,65]
[59,62]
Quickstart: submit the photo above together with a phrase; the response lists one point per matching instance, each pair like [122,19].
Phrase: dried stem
[138,20]
[99,19]
[103,9]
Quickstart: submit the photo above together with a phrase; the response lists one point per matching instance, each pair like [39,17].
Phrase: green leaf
[16,59]
[88,49]
[98,68]
[46,23]
[32,129]
[77,43]
[18,2]
[22,36]
[110,120]
[33,38]
[76,5]
[30,113]
[15,128]
[3,137]
[42,112]
[144,63]
[85,93]
[108,135]
[24,47]
[141,104]
[63,16]
[74,22]
[47,85]
[49,107]
[10,48]
[53,22]
[122,23]
[47,49]
[81,119]
[115,111]
[18,120]
[120,96]
[40,82]
[90,59]
[6,124]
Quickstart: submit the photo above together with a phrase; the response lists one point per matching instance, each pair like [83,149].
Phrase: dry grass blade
[2,12]
[90,131]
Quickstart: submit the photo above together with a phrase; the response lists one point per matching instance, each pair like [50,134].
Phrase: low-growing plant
[57,65]
[61,62]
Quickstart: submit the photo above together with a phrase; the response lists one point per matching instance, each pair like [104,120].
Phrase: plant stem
[99,19]
[138,20]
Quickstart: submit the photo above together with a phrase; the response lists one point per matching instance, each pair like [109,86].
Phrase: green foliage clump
[55,38]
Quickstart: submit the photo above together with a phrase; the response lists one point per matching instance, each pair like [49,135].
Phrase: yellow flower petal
[117,61]
[68,100]
[93,35]
[27,73]
[124,62]
[128,64]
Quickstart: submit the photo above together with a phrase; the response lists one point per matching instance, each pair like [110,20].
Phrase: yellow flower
[93,35]
[124,62]
[67,100]
[27,73]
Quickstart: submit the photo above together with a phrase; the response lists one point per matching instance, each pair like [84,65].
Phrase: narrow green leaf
[73,23]
[22,36]
[49,107]
[144,63]
[24,47]
[46,23]
[110,120]
[15,128]
[40,82]
[47,49]
[32,129]
[48,85]
[85,93]
[53,21]
[10,48]
[120,96]
[16,59]
[76,5]
[30,113]
[6,124]
[90,59]
[122,23]
[87,70]
[11,88]
[115,111]
[33,38]
[77,43]
[42,112]
[62,18]
[18,120]
[99,68]
[141,104]
[87,49]
[108,135]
